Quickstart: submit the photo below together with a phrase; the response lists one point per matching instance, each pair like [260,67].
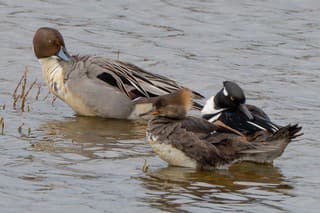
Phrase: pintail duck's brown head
[49,42]
[174,105]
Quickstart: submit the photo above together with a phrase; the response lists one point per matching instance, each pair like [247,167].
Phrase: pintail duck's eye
[231,98]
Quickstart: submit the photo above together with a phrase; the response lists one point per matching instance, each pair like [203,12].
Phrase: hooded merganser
[228,107]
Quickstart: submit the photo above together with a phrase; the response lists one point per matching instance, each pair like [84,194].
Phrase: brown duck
[187,141]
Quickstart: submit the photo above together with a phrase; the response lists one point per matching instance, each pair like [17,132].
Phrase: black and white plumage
[228,107]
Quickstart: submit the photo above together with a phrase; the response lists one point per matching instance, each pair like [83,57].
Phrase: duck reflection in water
[243,183]
[89,136]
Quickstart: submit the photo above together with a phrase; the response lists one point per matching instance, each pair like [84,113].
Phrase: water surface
[52,160]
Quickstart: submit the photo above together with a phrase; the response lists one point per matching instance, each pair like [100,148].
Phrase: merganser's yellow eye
[231,98]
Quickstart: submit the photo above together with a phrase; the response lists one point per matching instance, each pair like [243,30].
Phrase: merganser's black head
[231,96]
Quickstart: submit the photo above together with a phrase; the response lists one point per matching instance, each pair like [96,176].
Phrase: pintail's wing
[134,81]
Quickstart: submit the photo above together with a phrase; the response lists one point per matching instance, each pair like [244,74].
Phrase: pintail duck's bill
[63,54]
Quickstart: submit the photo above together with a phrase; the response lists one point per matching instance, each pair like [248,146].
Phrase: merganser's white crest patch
[225,92]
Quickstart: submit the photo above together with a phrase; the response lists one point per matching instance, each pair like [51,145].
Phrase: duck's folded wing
[205,154]
[198,125]
[132,80]
[159,84]
[97,97]
[257,111]
[270,146]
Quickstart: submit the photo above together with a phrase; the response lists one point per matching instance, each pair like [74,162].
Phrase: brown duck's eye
[231,98]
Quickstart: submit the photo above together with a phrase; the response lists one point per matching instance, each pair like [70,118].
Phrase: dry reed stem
[38,91]
[24,83]
[14,94]
[54,98]
[145,166]
[26,94]
[2,125]
[45,97]
[20,128]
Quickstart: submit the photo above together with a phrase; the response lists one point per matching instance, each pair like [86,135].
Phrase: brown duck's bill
[151,112]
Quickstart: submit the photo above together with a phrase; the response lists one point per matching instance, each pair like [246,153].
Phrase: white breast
[170,154]
[53,74]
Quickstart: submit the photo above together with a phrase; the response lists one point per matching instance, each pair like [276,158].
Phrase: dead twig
[145,166]
[24,83]
[38,91]
[54,98]
[26,94]
[14,94]
[45,97]
[20,128]
[2,125]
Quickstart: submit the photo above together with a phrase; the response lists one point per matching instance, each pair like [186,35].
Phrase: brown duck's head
[49,42]
[174,105]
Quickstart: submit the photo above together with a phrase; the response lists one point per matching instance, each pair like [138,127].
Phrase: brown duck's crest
[184,97]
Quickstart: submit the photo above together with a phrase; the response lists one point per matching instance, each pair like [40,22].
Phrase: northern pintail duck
[97,86]
[228,108]
[187,141]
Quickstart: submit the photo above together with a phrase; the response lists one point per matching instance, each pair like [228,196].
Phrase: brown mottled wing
[200,125]
[171,132]
[206,154]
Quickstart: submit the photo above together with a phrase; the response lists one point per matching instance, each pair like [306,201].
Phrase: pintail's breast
[54,76]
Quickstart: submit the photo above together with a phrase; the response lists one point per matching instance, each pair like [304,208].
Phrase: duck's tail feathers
[289,131]
[295,131]
[266,151]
